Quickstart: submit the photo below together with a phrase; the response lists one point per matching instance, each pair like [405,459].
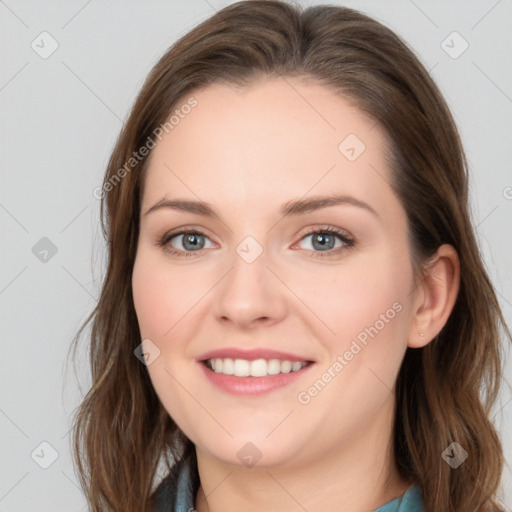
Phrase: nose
[250,295]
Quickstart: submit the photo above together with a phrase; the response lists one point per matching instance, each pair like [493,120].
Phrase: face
[270,273]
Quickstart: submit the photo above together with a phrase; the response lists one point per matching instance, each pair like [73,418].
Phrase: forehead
[276,139]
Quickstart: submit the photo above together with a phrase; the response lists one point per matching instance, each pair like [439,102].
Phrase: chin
[251,451]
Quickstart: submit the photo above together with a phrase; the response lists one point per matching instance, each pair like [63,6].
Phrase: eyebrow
[290,208]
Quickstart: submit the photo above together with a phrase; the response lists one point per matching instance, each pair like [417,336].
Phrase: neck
[358,477]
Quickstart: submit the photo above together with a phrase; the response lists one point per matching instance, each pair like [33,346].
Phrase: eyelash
[348,242]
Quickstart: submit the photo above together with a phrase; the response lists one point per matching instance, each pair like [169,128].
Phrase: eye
[328,240]
[190,240]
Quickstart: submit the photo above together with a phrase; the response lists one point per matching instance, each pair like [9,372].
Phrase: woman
[295,313]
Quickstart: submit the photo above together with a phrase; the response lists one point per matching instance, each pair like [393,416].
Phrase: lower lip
[253,386]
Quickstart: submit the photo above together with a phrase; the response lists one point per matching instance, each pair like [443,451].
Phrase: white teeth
[241,367]
[256,368]
[274,367]
[228,367]
[286,367]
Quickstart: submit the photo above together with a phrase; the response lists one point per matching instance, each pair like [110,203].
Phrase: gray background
[60,117]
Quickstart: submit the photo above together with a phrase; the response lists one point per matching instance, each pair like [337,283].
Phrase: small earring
[421,334]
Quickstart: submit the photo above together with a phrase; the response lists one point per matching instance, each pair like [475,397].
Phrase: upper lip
[251,354]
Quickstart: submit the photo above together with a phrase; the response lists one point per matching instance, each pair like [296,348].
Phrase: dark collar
[177,491]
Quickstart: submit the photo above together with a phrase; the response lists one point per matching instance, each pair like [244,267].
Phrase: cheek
[368,312]
[162,298]
[370,291]
[366,308]
[149,301]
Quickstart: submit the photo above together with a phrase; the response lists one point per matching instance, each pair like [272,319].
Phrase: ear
[435,296]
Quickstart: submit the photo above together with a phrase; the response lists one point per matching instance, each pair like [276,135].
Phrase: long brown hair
[444,391]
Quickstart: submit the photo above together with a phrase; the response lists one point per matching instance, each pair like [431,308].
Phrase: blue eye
[191,240]
[324,241]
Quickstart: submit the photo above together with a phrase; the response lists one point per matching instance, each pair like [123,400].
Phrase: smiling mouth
[254,368]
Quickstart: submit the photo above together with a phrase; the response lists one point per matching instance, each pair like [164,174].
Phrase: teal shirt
[410,502]
[178,490]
